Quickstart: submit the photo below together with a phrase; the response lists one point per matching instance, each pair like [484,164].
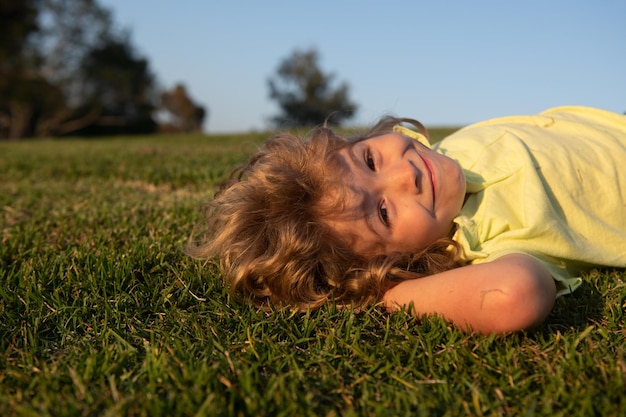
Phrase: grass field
[102,314]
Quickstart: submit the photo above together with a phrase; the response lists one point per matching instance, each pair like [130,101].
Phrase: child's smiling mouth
[431,176]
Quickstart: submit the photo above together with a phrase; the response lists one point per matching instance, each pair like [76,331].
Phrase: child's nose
[404,177]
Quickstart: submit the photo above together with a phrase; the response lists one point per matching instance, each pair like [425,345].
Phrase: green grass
[102,314]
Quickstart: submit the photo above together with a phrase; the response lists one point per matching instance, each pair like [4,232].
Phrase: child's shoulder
[572,122]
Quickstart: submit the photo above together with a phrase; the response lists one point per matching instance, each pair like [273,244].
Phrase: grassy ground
[101,313]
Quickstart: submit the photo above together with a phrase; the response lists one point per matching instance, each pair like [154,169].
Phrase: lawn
[102,313]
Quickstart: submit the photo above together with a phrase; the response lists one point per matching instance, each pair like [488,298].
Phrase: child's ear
[422,138]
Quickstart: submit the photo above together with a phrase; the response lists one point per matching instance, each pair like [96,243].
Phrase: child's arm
[512,293]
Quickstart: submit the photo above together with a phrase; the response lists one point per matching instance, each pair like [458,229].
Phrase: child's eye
[384,216]
[370,161]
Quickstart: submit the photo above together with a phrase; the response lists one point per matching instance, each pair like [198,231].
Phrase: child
[484,228]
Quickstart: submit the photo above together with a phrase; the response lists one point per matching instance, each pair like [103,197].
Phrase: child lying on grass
[485,228]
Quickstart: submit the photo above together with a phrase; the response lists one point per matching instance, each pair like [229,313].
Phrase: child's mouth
[429,168]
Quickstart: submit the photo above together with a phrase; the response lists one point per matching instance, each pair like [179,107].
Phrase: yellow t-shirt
[551,185]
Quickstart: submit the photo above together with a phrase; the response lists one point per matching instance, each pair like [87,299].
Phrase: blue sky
[443,62]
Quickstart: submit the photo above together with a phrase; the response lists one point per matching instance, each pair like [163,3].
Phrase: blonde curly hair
[267,229]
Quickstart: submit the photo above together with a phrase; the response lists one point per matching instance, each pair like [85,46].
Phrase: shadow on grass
[576,311]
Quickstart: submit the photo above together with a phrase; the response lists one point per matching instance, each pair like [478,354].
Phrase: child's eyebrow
[369,218]
[360,192]
[356,161]
[370,225]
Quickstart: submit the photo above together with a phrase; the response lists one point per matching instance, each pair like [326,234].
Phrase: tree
[65,70]
[70,29]
[109,89]
[305,94]
[118,83]
[18,20]
[186,116]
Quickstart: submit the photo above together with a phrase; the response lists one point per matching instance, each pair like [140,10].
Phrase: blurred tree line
[66,70]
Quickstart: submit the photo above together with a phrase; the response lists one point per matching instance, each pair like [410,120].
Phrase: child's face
[401,196]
